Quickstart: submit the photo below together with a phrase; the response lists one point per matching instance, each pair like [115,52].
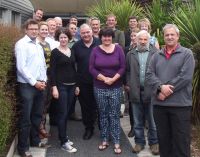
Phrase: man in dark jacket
[170,75]
[140,93]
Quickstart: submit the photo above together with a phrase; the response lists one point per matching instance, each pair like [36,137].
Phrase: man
[140,93]
[74,20]
[82,50]
[31,75]
[38,15]
[95,25]
[170,75]
[111,22]
[133,25]
[59,22]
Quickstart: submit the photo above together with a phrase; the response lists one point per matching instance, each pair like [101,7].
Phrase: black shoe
[88,134]
[131,133]
[25,154]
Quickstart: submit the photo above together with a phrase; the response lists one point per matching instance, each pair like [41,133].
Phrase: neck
[63,47]
[41,39]
[170,48]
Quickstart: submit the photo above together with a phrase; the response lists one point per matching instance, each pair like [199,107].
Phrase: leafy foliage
[123,9]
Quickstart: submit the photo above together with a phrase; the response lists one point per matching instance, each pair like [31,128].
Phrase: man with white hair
[59,22]
[140,93]
[170,75]
[82,50]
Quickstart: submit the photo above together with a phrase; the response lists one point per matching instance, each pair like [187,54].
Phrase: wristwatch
[159,89]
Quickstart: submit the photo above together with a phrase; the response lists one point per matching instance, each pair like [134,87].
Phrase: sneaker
[44,145]
[138,148]
[155,149]
[70,142]
[25,154]
[68,148]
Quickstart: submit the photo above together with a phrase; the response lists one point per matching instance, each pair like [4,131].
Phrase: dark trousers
[88,105]
[31,107]
[173,127]
[66,96]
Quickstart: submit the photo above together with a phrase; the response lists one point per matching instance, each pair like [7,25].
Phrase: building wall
[15,11]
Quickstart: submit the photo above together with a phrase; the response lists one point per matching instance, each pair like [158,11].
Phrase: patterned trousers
[109,103]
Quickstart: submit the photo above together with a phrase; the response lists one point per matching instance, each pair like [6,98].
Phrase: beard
[142,48]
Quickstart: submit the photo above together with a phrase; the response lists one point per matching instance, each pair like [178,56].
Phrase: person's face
[142,42]
[72,29]
[144,26]
[133,23]
[32,31]
[38,15]
[74,21]
[43,31]
[111,22]
[58,23]
[106,40]
[95,24]
[86,34]
[171,37]
[63,39]
[133,38]
[52,26]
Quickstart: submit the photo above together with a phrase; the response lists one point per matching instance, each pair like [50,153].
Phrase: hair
[111,15]
[73,16]
[143,32]
[136,30]
[42,23]
[145,21]
[94,18]
[85,25]
[167,26]
[50,19]
[62,30]
[38,9]
[106,32]
[132,17]
[57,18]
[30,22]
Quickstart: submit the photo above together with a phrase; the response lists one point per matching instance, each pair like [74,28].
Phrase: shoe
[41,145]
[138,148]
[117,149]
[103,146]
[68,148]
[131,133]
[88,134]
[75,117]
[25,154]
[70,142]
[155,149]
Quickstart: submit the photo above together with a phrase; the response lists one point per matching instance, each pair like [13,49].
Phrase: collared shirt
[71,42]
[52,42]
[169,53]
[30,59]
[142,56]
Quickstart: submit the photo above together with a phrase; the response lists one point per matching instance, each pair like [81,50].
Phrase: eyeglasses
[33,29]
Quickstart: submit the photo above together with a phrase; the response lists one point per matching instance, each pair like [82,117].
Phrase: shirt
[30,60]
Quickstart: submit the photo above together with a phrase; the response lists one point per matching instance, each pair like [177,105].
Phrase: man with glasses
[31,75]
[95,25]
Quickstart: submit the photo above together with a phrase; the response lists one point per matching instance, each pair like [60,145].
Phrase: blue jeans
[108,101]
[66,97]
[31,107]
[141,113]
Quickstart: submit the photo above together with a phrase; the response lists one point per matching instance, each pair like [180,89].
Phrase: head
[133,36]
[72,29]
[95,25]
[106,35]
[171,35]
[73,19]
[144,24]
[63,36]
[52,26]
[43,29]
[133,23]
[58,22]
[142,39]
[111,21]
[38,14]
[31,28]
[86,33]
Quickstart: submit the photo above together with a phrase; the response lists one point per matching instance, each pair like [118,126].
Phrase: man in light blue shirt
[31,75]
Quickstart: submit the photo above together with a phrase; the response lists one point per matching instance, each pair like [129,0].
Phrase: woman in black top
[63,81]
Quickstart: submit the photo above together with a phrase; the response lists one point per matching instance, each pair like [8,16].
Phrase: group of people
[96,65]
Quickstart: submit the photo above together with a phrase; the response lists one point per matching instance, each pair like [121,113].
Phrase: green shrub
[7,86]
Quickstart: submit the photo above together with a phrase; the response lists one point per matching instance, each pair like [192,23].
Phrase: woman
[63,81]
[107,65]
[43,33]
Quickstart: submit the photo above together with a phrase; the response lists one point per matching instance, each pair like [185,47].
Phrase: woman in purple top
[107,65]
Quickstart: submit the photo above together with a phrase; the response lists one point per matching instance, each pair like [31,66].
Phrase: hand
[55,92]
[40,85]
[77,91]
[161,96]
[109,81]
[167,90]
